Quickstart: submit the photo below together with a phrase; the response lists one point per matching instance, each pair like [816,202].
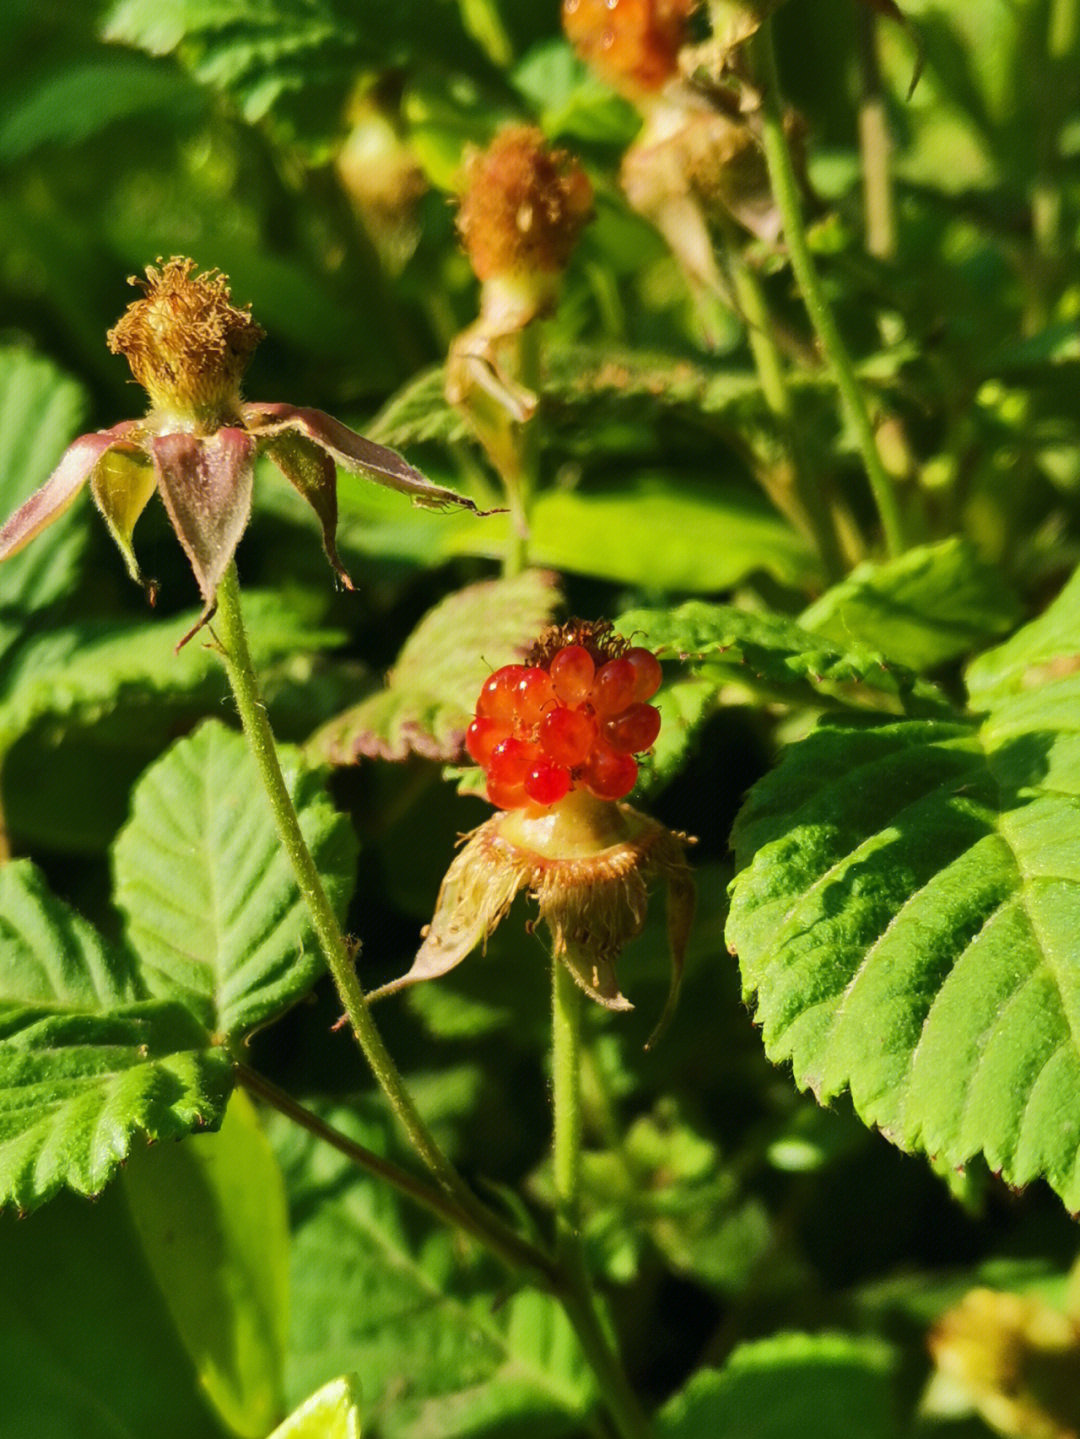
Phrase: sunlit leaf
[211,1217]
[211,906]
[88,1068]
[431,692]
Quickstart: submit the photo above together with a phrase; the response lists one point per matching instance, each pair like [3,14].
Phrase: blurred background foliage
[310,149]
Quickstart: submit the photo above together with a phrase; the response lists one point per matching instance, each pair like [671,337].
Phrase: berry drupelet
[573,716]
[556,737]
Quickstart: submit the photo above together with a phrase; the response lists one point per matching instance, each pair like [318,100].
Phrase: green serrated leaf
[378,1286]
[906,917]
[935,603]
[828,1386]
[87,1346]
[210,902]
[294,60]
[86,1066]
[431,692]
[41,411]
[771,651]
[79,673]
[212,1220]
[332,1412]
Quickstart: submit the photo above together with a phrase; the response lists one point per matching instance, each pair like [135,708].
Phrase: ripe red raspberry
[572,717]
[633,43]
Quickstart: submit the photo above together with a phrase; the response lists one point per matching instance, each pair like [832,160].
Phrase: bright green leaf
[333,1412]
[934,603]
[770,651]
[381,1289]
[431,692]
[210,902]
[87,1346]
[906,918]
[86,1066]
[818,1386]
[212,1219]
[82,672]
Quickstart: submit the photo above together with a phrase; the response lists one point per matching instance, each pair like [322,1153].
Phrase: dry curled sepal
[77,464]
[205,484]
[352,452]
[587,864]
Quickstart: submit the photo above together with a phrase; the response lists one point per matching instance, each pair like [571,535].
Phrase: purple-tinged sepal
[352,452]
[205,483]
[314,475]
[47,504]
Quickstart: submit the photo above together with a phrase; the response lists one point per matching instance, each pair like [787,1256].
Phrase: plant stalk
[875,144]
[521,486]
[515,1252]
[800,498]
[339,959]
[786,191]
[578,1299]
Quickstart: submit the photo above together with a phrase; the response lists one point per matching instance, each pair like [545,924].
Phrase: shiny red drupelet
[575,723]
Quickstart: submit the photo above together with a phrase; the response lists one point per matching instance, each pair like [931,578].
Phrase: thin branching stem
[786,190]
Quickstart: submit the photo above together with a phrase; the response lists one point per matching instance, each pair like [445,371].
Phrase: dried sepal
[121,484]
[314,475]
[205,484]
[588,865]
[48,503]
[352,452]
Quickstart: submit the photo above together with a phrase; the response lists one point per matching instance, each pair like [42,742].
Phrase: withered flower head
[633,44]
[188,345]
[524,206]
[557,737]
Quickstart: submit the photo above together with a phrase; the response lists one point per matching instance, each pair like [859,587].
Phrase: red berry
[511,760]
[610,775]
[614,686]
[498,699]
[572,672]
[649,674]
[547,783]
[482,736]
[634,730]
[567,736]
[506,796]
[534,695]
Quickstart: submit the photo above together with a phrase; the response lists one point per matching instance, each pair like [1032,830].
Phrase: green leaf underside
[907,918]
[41,411]
[211,906]
[331,1413]
[86,1065]
[828,1386]
[211,1216]
[380,1288]
[431,692]
[87,1347]
[933,604]
[768,650]
[81,672]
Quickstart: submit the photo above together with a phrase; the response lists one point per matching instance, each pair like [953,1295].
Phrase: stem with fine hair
[338,957]
[515,1252]
[521,485]
[795,494]
[578,1300]
[786,191]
